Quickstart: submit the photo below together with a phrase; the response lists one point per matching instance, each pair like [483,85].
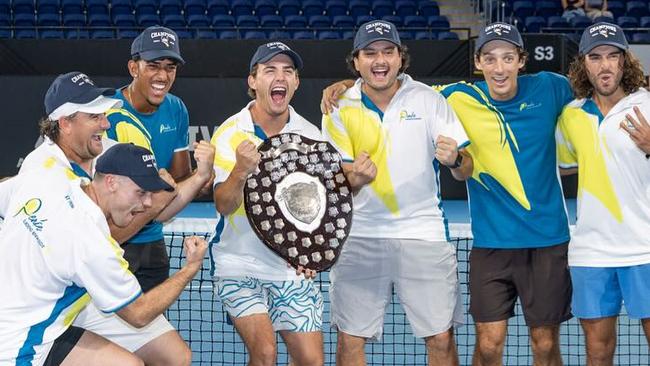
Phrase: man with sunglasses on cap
[152,117]
[72,134]
[520,247]
[605,134]
[54,240]
[260,292]
[393,134]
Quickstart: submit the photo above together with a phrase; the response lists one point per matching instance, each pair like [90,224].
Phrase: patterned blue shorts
[296,306]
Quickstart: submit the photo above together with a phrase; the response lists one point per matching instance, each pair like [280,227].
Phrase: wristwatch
[458,162]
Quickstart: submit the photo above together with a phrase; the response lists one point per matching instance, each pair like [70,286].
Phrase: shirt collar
[405,79]
[245,120]
[63,160]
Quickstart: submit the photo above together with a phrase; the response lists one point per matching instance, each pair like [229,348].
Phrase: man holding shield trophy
[260,292]
[394,133]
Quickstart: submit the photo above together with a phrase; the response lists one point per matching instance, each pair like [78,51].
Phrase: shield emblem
[299,202]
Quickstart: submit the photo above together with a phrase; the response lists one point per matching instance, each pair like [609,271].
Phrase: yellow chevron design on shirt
[119,253]
[226,164]
[580,134]
[133,131]
[365,132]
[75,309]
[490,150]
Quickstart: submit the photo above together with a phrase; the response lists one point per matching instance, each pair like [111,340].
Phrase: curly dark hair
[403,51]
[632,79]
[49,128]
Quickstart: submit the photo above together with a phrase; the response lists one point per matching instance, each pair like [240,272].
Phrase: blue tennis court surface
[202,322]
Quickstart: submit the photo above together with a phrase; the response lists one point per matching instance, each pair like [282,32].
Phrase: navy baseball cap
[375,30]
[499,31]
[134,162]
[602,33]
[75,92]
[269,50]
[155,43]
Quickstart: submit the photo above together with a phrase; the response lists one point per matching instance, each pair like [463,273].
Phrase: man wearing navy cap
[605,134]
[72,134]
[393,134]
[260,292]
[153,118]
[53,242]
[520,247]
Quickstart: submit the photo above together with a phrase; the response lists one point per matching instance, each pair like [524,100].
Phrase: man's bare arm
[153,303]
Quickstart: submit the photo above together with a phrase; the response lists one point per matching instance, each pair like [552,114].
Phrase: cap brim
[152,183]
[297,61]
[161,54]
[365,44]
[604,43]
[514,43]
[101,104]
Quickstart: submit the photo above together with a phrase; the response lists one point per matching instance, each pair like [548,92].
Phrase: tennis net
[201,321]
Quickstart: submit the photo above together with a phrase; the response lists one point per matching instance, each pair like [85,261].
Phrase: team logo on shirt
[405,115]
[525,106]
[166,128]
[30,207]
[33,224]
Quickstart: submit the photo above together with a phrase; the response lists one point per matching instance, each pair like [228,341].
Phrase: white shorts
[423,275]
[295,306]
[118,331]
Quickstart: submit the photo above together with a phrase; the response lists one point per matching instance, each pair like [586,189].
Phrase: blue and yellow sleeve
[565,152]
[125,127]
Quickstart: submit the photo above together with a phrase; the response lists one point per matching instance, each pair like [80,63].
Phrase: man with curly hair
[605,135]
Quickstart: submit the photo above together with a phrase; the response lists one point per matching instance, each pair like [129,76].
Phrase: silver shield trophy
[299,202]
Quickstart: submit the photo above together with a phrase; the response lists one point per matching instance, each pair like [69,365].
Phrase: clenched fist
[247,158]
[446,150]
[204,156]
[362,172]
[195,249]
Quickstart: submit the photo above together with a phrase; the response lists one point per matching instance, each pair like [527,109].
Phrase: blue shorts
[598,292]
[295,306]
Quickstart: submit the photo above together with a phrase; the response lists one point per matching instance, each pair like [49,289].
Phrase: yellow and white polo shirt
[235,249]
[403,201]
[56,254]
[613,225]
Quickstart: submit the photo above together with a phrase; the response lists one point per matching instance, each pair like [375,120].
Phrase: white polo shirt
[403,201]
[48,153]
[235,250]
[55,250]
[613,226]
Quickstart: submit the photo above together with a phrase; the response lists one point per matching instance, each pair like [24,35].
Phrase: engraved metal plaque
[299,202]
